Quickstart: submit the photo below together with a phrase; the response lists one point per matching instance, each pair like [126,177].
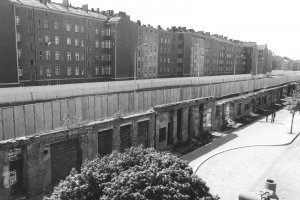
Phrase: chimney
[43,2]
[98,11]
[207,33]
[65,3]
[139,22]
[149,26]
[122,14]
[85,7]
[225,37]
[92,9]
[49,1]
[159,27]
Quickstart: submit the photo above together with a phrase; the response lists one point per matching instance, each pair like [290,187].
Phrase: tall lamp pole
[135,66]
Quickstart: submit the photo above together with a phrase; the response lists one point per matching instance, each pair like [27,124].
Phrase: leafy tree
[292,104]
[136,174]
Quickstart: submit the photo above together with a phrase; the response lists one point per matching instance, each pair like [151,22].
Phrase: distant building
[250,53]
[263,61]
[8,50]
[147,52]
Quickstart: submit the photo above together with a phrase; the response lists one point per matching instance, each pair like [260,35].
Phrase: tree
[292,104]
[136,174]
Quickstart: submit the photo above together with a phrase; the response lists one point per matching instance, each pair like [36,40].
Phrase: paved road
[246,169]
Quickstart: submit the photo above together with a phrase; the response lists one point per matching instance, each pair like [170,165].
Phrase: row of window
[105,70]
[57,55]
[47,71]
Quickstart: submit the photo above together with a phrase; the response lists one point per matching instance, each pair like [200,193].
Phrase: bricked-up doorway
[64,156]
[125,137]
[16,171]
[179,125]
[105,142]
[143,133]
[170,129]
[201,119]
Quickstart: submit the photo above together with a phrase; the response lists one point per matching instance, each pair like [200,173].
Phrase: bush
[135,174]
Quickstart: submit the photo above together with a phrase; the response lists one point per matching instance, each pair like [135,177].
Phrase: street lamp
[234,64]
[135,66]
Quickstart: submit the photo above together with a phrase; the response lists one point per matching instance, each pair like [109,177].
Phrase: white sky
[276,23]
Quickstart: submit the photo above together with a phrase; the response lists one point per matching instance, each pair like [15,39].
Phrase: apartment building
[166,53]
[57,43]
[147,52]
[250,54]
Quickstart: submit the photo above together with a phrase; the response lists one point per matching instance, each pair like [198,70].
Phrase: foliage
[292,104]
[136,174]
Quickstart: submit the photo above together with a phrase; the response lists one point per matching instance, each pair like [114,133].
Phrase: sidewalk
[235,171]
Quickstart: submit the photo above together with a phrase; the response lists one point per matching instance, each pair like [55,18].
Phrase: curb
[248,146]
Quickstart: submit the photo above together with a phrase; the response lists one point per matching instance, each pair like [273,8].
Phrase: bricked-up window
[68,27]
[56,26]
[41,71]
[76,42]
[46,25]
[69,41]
[48,71]
[97,31]
[57,55]
[103,32]
[97,70]
[82,29]
[97,44]
[47,55]
[76,27]
[162,134]
[57,70]
[18,37]
[239,110]
[102,44]
[77,71]
[69,71]
[69,57]
[19,54]
[29,14]
[56,40]
[82,57]
[77,56]
[18,20]
[97,57]
[20,71]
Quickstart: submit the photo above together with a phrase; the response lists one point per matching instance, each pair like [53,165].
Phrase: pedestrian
[267,118]
[274,115]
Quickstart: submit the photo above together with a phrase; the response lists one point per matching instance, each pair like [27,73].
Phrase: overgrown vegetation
[292,104]
[136,174]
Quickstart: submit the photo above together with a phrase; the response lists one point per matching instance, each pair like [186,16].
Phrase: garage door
[125,138]
[64,156]
[105,142]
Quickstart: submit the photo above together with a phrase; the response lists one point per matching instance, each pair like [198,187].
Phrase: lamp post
[135,66]
[234,63]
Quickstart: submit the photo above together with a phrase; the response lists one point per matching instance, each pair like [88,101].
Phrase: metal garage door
[142,134]
[64,156]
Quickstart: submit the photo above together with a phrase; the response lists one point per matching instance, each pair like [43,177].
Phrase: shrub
[135,174]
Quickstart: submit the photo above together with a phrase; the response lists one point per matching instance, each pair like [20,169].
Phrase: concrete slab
[19,121]
[104,106]
[56,114]
[78,109]
[29,120]
[91,108]
[85,108]
[39,117]
[1,126]
[97,107]
[72,110]
[48,116]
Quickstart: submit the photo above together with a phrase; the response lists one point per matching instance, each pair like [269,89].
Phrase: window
[97,57]
[48,71]
[40,40]
[239,109]
[47,55]
[39,23]
[47,39]
[97,70]
[76,43]
[19,53]
[18,37]
[82,29]
[69,57]
[77,56]
[69,41]
[69,71]
[57,70]
[103,70]
[108,32]
[18,20]
[41,71]
[77,71]
[41,55]
[20,71]
[29,14]
[103,32]
[68,27]
[56,27]
[57,55]
[97,31]
[82,57]
[76,28]
[82,43]
[168,60]
[56,40]
[97,44]
[82,71]
[108,44]
[162,134]
[102,44]
[31,62]
[46,25]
